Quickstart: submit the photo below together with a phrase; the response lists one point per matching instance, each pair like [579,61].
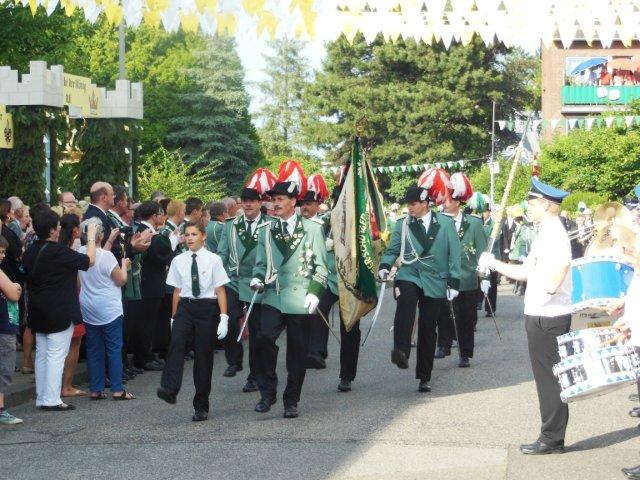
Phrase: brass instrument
[612,231]
[586,234]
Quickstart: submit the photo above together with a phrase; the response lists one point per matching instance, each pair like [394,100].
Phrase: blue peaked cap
[542,190]
[636,190]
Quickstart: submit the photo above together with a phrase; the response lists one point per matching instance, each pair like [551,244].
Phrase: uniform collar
[426,219]
[198,252]
[144,222]
[291,221]
[115,214]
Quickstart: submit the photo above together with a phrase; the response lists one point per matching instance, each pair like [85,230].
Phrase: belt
[198,300]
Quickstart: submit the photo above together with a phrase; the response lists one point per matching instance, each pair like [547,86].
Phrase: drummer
[547,304]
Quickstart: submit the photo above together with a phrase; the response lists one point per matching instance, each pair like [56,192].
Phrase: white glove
[522,258]
[171,325]
[452,294]
[311,303]
[328,243]
[485,285]
[486,262]
[223,326]
[256,285]
[383,274]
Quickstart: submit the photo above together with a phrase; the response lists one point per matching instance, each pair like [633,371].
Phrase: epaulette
[317,220]
[231,219]
[263,224]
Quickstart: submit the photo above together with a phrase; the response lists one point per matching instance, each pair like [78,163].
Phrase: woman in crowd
[101,304]
[54,308]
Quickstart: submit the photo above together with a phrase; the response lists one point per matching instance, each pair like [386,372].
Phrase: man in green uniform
[490,301]
[291,269]
[473,242]
[218,212]
[237,249]
[426,251]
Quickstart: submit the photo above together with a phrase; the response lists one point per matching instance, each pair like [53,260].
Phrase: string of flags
[412,168]
[571,123]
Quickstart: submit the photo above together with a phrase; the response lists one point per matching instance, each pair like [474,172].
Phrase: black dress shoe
[464,362]
[200,416]
[264,405]
[250,386]
[137,371]
[439,352]
[153,366]
[166,395]
[634,412]
[232,370]
[634,397]
[291,411]
[539,448]
[316,361]
[63,407]
[399,358]
[633,472]
[344,386]
[424,386]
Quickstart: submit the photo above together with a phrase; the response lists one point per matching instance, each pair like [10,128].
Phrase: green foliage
[399,182]
[214,125]
[167,171]
[591,200]
[22,168]
[481,181]
[602,160]
[422,103]
[281,109]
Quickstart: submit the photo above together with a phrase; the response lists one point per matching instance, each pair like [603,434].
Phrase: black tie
[249,223]
[195,280]
[285,229]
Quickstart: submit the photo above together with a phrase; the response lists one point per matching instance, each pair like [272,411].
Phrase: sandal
[100,396]
[124,396]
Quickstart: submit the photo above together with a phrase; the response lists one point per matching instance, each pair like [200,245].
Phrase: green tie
[195,280]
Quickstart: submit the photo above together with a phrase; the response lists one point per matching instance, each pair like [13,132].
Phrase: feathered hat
[461,187]
[291,181]
[260,182]
[317,190]
[437,183]
[478,203]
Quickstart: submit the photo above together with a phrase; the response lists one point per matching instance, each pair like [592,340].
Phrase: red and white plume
[317,184]
[437,183]
[262,181]
[291,171]
[461,187]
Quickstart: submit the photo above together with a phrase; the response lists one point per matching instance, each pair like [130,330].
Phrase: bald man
[101,202]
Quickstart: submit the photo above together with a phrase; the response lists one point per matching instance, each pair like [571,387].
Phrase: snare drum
[598,280]
[588,367]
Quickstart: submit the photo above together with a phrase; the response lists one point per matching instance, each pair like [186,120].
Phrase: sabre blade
[246,317]
[328,326]
[493,316]
[375,314]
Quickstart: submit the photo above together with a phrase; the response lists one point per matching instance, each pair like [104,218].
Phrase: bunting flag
[359,227]
[412,168]
[572,123]
[514,23]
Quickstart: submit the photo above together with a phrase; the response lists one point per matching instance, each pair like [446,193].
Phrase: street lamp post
[493,146]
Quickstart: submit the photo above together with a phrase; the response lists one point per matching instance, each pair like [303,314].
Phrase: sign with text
[79,92]
[6,128]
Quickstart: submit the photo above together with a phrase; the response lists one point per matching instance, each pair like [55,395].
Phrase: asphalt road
[469,427]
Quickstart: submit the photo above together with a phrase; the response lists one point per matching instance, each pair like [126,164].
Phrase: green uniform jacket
[488,226]
[473,242]
[214,234]
[237,249]
[166,232]
[291,266]
[131,290]
[525,234]
[438,251]
[332,279]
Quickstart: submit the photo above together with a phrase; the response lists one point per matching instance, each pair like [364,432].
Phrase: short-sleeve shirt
[7,327]
[211,273]
[53,287]
[550,251]
[100,297]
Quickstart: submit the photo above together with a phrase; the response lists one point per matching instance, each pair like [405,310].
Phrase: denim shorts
[7,360]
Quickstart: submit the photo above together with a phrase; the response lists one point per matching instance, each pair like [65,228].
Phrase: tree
[214,125]
[422,103]
[281,108]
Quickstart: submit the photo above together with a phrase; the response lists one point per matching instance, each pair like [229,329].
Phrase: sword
[455,327]
[375,314]
[493,316]
[328,326]
[246,316]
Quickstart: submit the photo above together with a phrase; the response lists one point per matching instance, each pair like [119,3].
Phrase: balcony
[594,95]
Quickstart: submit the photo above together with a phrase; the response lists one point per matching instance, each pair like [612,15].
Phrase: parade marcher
[291,268]
[218,213]
[237,249]
[317,192]
[472,243]
[426,250]
[521,241]
[491,300]
[199,315]
[547,308]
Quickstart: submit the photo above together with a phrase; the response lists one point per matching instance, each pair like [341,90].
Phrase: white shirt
[426,221]
[290,223]
[100,297]
[457,219]
[254,224]
[550,251]
[632,309]
[211,273]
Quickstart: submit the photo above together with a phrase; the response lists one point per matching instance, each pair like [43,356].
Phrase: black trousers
[195,321]
[464,308]
[162,330]
[233,349]
[493,293]
[410,296]
[543,352]
[272,323]
[143,315]
[319,332]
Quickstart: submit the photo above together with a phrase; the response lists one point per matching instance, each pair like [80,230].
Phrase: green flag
[359,227]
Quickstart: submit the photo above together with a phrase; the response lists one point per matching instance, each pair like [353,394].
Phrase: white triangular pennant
[572,123]
[554,123]
[403,168]
[449,164]
[628,120]
[461,163]
[392,169]
[502,124]
[589,122]
[609,121]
